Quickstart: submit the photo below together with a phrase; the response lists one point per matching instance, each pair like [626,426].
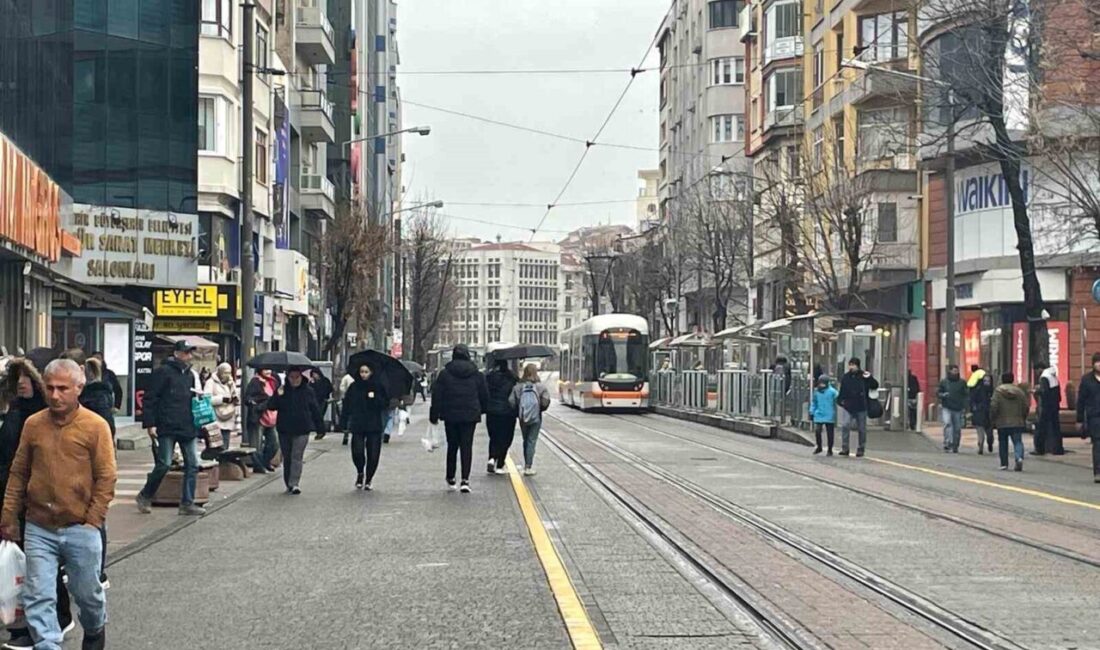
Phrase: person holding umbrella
[459,398]
[299,415]
[500,416]
[363,413]
[262,419]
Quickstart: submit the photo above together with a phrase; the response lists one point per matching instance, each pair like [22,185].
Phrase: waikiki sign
[987,190]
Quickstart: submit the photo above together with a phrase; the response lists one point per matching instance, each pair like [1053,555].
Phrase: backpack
[530,410]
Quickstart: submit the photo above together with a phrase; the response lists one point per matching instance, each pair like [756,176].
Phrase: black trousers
[1052,430]
[1093,430]
[366,451]
[830,432]
[460,438]
[502,431]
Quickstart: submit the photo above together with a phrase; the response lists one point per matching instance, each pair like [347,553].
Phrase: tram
[605,363]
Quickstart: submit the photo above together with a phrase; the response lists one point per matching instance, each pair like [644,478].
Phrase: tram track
[792,635]
[928,512]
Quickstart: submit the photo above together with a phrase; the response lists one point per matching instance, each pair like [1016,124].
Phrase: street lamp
[419,130]
[433,204]
[950,316]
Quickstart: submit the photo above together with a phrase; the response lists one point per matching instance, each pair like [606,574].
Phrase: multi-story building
[648,207]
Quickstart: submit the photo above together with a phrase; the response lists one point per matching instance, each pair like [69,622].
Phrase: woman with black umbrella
[299,415]
[363,412]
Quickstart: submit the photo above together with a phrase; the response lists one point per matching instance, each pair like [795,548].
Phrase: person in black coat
[363,412]
[912,393]
[322,388]
[111,378]
[256,396]
[459,398]
[855,388]
[500,417]
[98,396]
[1049,425]
[981,398]
[1088,412]
[299,415]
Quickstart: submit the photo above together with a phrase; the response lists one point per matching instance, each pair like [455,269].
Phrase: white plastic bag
[13,571]
[402,421]
[433,438]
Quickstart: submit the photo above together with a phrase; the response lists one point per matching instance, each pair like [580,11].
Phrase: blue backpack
[530,411]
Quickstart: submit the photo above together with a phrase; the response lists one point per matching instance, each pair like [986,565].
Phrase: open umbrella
[412,366]
[522,352]
[279,361]
[391,372]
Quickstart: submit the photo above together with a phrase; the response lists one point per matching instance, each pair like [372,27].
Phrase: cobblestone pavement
[409,565]
[1033,597]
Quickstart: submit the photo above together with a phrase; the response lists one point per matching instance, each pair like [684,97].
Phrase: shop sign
[187,326]
[30,204]
[131,247]
[143,364]
[1058,350]
[200,302]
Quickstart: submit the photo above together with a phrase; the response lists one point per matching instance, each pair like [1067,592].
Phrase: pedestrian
[322,389]
[823,412]
[422,385]
[854,396]
[500,416]
[111,378]
[912,396]
[97,396]
[981,395]
[363,413]
[666,365]
[62,518]
[529,398]
[459,398]
[345,384]
[223,391]
[262,420]
[952,394]
[1049,394]
[1008,412]
[168,420]
[299,415]
[24,394]
[204,375]
[1088,412]
[782,368]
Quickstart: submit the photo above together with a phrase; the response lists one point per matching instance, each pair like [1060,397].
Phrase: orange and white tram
[605,363]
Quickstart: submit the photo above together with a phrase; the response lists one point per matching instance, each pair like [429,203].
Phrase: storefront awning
[660,343]
[190,339]
[93,295]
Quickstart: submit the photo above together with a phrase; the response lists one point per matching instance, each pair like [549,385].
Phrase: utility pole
[248,271]
[949,316]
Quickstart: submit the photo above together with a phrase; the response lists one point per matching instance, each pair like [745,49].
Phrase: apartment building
[647,210]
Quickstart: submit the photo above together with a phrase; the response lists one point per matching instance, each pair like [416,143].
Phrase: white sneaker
[465,488]
[530,471]
[368,487]
[501,470]
[451,487]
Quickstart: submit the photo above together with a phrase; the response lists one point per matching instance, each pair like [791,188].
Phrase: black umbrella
[390,371]
[279,361]
[522,352]
[412,366]
[40,357]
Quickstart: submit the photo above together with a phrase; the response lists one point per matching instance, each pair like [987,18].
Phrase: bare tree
[353,245]
[432,292]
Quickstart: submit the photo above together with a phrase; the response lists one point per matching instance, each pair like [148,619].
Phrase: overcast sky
[467,161]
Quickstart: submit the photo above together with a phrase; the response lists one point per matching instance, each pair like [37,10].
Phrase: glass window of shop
[109,106]
[993,340]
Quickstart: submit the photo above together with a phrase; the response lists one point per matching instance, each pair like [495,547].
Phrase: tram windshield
[621,355]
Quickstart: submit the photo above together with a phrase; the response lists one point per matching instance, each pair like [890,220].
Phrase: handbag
[202,411]
[874,409]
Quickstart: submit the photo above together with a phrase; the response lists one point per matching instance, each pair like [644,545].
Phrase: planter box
[172,486]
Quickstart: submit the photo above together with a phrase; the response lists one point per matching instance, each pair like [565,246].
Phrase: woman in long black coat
[363,412]
[299,415]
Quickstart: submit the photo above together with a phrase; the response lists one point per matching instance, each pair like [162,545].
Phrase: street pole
[248,274]
[949,316]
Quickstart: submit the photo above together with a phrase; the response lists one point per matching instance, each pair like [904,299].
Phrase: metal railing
[311,13]
[733,393]
[315,99]
[316,183]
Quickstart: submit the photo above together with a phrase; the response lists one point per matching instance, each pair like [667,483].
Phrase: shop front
[209,311]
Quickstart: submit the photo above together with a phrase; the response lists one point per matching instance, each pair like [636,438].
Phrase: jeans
[952,428]
[460,438]
[1017,434]
[226,435]
[530,438]
[830,432]
[860,420]
[366,451]
[79,548]
[294,449]
[162,455]
[985,437]
[1093,430]
[265,452]
[502,431]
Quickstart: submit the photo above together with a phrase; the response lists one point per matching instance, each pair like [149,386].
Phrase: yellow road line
[581,633]
[1000,486]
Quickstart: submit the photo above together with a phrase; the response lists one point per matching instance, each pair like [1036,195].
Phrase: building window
[819,65]
[261,46]
[840,53]
[794,161]
[724,128]
[728,71]
[208,125]
[787,20]
[887,222]
[819,146]
[882,133]
[838,142]
[884,37]
[785,89]
[262,160]
[217,18]
[724,13]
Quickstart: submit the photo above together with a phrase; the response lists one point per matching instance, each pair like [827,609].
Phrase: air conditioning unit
[270,286]
[234,277]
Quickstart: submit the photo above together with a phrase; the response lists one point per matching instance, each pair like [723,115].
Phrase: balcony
[318,195]
[313,36]
[870,85]
[783,116]
[783,48]
[315,110]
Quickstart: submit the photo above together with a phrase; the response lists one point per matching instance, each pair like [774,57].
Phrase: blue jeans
[1017,434]
[162,455]
[80,549]
[530,437]
[952,428]
[858,419]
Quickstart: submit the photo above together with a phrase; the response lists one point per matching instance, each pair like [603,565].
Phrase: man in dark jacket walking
[459,398]
[1008,412]
[953,396]
[855,388]
[1088,412]
[500,417]
[299,415]
[168,420]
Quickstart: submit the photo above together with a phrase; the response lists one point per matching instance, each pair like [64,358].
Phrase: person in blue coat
[823,412]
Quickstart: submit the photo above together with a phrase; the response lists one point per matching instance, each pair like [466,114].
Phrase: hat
[1096,357]
[183,346]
